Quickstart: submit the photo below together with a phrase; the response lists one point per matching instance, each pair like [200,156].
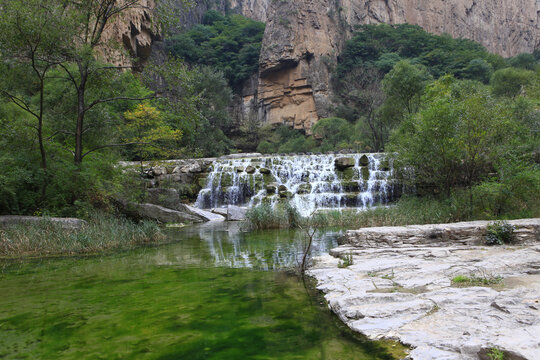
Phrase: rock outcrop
[407,291]
[136,30]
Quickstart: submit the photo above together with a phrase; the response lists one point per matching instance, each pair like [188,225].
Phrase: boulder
[203,214]
[65,223]
[158,213]
[271,188]
[250,170]
[220,211]
[343,163]
[168,198]
[282,188]
[265,171]
[235,213]
[364,160]
[159,170]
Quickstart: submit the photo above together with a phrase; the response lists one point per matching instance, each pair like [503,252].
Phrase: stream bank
[400,284]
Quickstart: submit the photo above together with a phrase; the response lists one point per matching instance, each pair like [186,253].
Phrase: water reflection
[232,245]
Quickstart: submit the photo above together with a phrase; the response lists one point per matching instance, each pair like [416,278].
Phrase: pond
[216,292]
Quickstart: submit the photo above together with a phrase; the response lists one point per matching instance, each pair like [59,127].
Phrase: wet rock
[235,213]
[365,173]
[265,171]
[272,188]
[343,163]
[304,189]
[220,211]
[158,213]
[364,160]
[250,169]
[282,188]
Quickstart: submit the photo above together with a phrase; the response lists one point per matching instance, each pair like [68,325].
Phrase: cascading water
[308,182]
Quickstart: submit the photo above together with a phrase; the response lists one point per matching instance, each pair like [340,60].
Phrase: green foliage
[454,139]
[475,280]
[524,61]
[404,86]
[333,133]
[495,354]
[230,43]
[380,45]
[148,133]
[499,233]
[510,81]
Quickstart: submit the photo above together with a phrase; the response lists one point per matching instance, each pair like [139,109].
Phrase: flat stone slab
[406,293]
[464,233]
[66,223]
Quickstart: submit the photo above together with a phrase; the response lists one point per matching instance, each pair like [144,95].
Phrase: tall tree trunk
[81,110]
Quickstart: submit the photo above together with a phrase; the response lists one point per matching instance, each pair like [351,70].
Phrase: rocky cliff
[303,37]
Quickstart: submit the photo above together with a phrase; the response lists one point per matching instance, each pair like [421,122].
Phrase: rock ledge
[403,290]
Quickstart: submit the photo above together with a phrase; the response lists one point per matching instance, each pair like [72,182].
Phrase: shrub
[499,233]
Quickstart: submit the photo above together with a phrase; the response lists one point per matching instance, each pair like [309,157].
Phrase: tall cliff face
[303,36]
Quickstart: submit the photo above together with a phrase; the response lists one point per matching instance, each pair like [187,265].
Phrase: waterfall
[308,182]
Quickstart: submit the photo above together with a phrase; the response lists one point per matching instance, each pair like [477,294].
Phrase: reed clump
[103,233]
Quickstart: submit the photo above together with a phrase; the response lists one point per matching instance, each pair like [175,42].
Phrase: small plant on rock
[499,233]
[495,354]
[346,262]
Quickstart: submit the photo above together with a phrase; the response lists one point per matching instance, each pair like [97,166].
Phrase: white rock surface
[405,293]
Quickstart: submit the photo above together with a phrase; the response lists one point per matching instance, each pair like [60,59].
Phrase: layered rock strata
[384,286]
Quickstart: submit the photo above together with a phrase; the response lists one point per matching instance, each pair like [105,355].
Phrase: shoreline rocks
[65,223]
[403,289]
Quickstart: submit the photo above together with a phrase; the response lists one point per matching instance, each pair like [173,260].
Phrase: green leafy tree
[510,81]
[148,133]
[455,138]
[404,85]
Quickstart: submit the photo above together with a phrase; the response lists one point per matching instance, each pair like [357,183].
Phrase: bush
[499,233]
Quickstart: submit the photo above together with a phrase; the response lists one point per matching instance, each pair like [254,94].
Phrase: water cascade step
[308,182]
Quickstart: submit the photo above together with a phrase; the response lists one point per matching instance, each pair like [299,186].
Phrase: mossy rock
[304,189]
[343,163]
[348,174]
[226,180]
[269,178]
[364,160]
[285,194]
[265,171]
[365,173]
[350,186]
[384,165]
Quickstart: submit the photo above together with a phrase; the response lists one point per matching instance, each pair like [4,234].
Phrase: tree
[478,69]
[404,85]
[29,34]
[332,132]
[362,93]
[148,133]
[510,82]
[455,138]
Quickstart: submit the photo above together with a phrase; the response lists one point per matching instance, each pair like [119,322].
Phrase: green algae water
[217,292]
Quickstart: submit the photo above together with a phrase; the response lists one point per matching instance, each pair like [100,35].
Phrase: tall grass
[407,211]
[103,233]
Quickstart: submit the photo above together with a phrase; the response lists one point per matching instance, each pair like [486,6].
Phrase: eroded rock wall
[304,36]
[135,30]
